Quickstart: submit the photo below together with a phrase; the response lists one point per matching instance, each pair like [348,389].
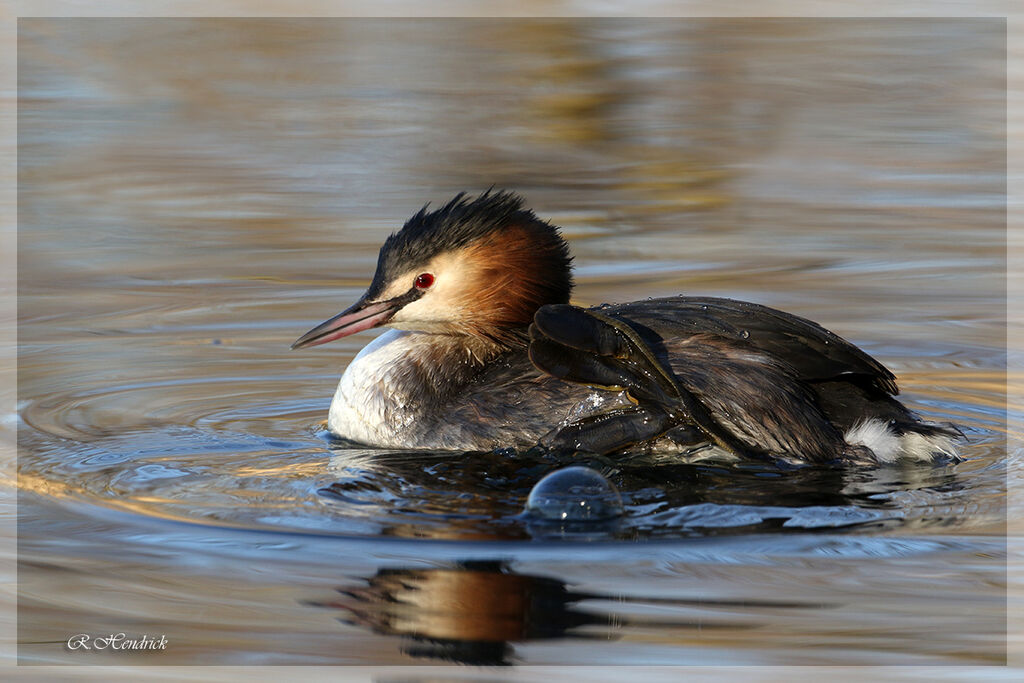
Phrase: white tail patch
[889,447]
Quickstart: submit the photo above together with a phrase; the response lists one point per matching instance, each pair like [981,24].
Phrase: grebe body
[487,353]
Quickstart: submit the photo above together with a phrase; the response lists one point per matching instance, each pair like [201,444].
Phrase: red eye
[424,280]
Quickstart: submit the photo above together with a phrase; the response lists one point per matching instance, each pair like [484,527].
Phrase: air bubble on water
[574,494]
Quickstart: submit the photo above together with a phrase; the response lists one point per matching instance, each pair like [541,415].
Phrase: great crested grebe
[487,353]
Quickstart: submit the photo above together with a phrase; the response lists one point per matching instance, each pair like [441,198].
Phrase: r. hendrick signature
[116,641]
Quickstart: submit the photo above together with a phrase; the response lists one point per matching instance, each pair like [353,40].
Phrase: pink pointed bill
[355,319]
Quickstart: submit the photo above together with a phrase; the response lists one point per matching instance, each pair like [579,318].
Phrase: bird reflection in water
[472,612]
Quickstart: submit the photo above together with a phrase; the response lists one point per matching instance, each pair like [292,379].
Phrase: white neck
[394,382]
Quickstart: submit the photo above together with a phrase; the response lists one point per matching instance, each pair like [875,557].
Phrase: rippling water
[193,195]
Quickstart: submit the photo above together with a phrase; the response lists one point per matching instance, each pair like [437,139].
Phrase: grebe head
[479,268]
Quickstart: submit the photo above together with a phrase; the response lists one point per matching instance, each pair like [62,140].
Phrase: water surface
[195,194]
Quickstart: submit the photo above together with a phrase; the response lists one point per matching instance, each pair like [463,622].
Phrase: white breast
[369,406]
